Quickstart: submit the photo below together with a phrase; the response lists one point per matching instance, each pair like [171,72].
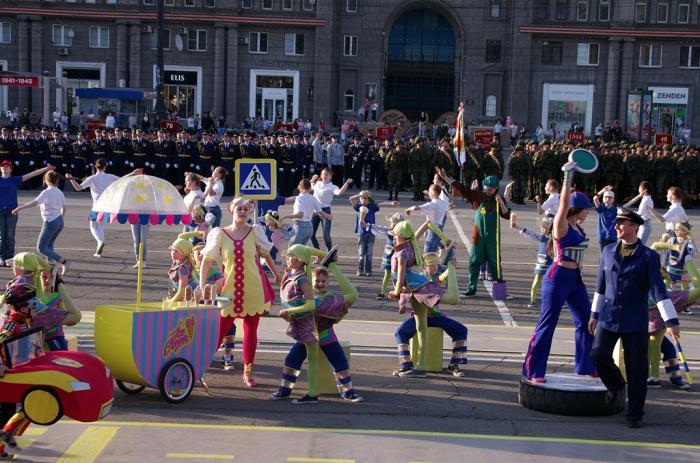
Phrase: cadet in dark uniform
[354,162]
[395,164]
[163,152]
[121,152]
[227,153]
[142,152]
[26,150]
[185,151]
[307,157]
[8,147]
[101,147]
[82,157]
[518,167]
[208,155]
[287,167]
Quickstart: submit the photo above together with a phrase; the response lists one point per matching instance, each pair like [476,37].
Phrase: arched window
[422,36]
[349,100]
[490,110]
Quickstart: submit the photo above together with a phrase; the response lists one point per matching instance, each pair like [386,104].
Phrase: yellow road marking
[201,456]
[389,432]
[24,442]
[319,460]
[372,333]
[88,446]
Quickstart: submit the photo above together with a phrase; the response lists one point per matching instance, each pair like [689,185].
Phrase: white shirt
[324,192]
[215,199]
[435,210]
[644,206]
[51,202]
[193,198]
[675,214]
[98,183]
[551,204]
[307,204]
[109,122]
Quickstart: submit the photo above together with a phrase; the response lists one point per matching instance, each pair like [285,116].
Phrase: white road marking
[500,305]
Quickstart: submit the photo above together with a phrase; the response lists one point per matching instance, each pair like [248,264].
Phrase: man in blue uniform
[629,273]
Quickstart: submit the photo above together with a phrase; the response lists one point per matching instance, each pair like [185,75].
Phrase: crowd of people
[315,169]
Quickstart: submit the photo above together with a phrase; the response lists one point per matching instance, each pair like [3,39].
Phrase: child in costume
[299,305]
[414,288]
[278,233]
[56,298]
[388,232]
[183,271]
[366,208]
[455,330]
[435,211]
[543,258]
[679,249]
[21,300]
[27,268]
[330,309]
[551,205]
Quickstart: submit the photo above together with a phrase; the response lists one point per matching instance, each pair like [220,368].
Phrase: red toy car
[52,384]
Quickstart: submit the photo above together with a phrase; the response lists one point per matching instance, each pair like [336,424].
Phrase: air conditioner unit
[62,51]
[146,29]
[182,31]
[243,40]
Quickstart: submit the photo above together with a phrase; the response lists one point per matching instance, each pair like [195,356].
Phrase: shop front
[73,76]
[669,111]
[274,95]
[564,104]
[182,90]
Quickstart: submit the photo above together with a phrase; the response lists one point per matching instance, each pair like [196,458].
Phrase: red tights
[250,335]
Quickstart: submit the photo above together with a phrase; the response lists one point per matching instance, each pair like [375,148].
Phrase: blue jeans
[8,224]
[365,246]
[432,241]
[315,222]
[302,232]
[139,233]
[216,210]
[644,231]
[47,237]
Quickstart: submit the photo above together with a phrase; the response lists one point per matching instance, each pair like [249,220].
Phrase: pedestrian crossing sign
[256,178]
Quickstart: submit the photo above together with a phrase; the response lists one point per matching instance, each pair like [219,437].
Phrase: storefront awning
[109,93]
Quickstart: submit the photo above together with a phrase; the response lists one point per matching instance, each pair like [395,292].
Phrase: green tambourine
[586,161]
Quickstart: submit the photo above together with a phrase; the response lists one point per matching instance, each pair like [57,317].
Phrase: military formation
[391,164]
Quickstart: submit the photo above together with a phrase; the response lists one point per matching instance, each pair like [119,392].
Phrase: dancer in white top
[645,210]
[325,190]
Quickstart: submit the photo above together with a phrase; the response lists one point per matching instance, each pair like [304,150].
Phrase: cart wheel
[42,406]
[129,388]
[176,380]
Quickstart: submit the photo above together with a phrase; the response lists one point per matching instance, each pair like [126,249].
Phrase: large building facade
[539,61]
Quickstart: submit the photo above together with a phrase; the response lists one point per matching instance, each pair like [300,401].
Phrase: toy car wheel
[176,380]
[568,394]
[129,388]
[42,406]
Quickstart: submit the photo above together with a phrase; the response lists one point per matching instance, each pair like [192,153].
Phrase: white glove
[109,163]
[176,166]
[31,163]
[153,166]
[126,163]
[16,163]
[294,170]
[281,169]
[72,166]
[167,166]
[198,168]
[131,164]
[191,166]
[65,165]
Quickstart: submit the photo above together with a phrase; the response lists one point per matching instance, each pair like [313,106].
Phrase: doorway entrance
[274,104]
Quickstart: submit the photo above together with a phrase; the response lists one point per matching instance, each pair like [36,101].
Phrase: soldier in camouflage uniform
[546,166]
[491,164]
[662,174]
[394,163]
[518,168]
[419,165]
[687,167]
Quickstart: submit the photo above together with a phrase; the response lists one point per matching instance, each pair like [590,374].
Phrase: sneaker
[455,370]
[381,297]
[227,362]
[634,423]
[368,274]
[471,292]
[8,439]
[413,373]
[687,311]
[307,399]
[481,275]
[400,371]
[248,380]
[680,383]
[360,274]
[98,251]
[354,397]
[136,265]
[280,395]
[332,256]
[65,266]
[653,383]
[530,306]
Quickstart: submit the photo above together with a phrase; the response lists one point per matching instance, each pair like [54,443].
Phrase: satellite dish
[178,43]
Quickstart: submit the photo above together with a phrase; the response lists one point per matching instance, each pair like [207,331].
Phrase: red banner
[483,137]
[19,81]
[172,126]
[575,136]
[92,124]
[663,139]
[384,132]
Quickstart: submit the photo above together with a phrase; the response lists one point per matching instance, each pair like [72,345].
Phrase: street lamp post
[160,66]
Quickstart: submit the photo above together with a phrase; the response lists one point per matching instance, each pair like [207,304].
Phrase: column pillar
[120,71]
[219,69]
[232,111]
[612,80]
[23,53]
[135,54]
[36,63]
[325,79]
[626,65]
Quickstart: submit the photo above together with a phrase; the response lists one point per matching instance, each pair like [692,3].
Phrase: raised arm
[633,201]
[561,223]
[36,172]
[344,188]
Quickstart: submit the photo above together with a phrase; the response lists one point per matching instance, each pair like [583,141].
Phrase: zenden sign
[256,178]
[669,95]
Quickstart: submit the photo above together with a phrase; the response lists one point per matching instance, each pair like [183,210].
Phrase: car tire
[42,406]
[129,388]
[176,380]
[582,402]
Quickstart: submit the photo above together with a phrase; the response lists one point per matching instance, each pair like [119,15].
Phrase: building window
[148,2]
[490,106]
[257,42]
[561,10]
[662,13]
[493,51]
[495,9]
[349,98]
[90,1]
[110,2]
[267,4]
[541,10]
[210,3]
[308,5]
[62,35]
[683,13]
[690,57]
[169,2]
[640,12]
[582,11]
[350,45]
[650,56]
[587,54]
[166,39]
[287,4]
[604,10]
[246,3]
[293,44]
[552,52]
[5,33]
[189,3]
[99,37]
[197,40]
[351,6]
